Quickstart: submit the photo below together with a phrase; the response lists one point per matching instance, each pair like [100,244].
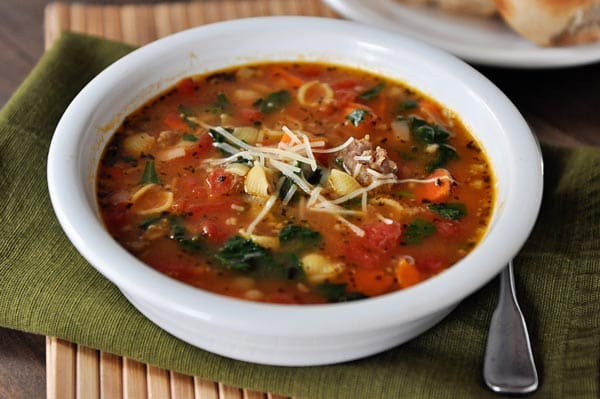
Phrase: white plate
[486,41]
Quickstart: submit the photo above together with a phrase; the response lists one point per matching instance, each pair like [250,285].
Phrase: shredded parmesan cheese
[289,194]
[261,215]
[335,149]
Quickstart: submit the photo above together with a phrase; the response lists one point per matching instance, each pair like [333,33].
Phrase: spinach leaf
[186,114]
[297,238]
[189,137]
[450,210]
[148,222]
[426,133]
[444,154]
[149,176]
[357,116]
[336,292]
[243,255]
[273,101]
[331,291]
[418,230]
[180,235]
[287,265]
[372,92]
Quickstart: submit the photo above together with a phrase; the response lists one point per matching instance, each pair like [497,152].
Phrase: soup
[295,183]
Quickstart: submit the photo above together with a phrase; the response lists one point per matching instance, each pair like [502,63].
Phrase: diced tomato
[361,256]
[186,87]
[447,228]
[431,264]
[250,115]
[220,182]
[379,239]
[372,282]
[344,97]
[215,233]
[344,84]
[202,149]
[383,237]
[173,120]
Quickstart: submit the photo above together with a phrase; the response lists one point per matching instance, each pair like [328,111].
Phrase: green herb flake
[273,102]
[243,255]
[339,162]
[409,104]
[357,116]
[403,194]
[129,160]
[189,137]
[444,154]
[417,231]
[219,105]
[450,210]
[149,176]
[372,92]
[185,113]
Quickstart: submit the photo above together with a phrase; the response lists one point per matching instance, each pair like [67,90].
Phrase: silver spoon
[508,365]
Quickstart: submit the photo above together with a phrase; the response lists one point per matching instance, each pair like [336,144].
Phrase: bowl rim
[449,287]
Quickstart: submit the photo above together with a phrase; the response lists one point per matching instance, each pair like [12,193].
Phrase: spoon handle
[508,365]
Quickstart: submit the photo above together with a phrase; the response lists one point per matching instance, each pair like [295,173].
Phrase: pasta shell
[342,183]
[319,268]
[238,169]
[137,144]
[246,133]
[150,199]
[324,93]
[257,182]
[268,242]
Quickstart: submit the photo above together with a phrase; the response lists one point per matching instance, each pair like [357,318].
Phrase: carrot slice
[436,191]
[407,274]
[372,282]
[287,76]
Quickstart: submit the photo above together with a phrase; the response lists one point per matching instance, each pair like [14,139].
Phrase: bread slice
[553,22]
[471,7]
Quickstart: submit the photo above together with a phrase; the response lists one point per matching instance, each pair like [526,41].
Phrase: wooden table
[562,105]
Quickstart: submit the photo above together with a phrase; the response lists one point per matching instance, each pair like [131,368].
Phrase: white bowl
[284,334]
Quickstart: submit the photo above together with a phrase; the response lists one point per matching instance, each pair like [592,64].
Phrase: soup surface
[295,183]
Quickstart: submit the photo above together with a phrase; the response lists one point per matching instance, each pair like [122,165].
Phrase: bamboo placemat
[74,371]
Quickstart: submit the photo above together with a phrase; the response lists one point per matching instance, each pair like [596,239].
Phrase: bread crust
[484,8]
[552,22]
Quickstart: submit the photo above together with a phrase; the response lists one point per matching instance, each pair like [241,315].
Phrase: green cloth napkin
[46,287]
